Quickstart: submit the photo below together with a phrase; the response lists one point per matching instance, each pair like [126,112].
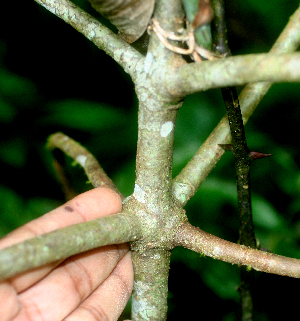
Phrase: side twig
[93,170]
[192,238]
[59,245]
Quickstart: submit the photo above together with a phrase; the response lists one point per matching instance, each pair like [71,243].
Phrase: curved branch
[63,243]
[93,170]
[199,241]
[234,71]
[92,29]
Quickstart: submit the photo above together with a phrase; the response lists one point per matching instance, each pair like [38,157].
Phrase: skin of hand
[94,285]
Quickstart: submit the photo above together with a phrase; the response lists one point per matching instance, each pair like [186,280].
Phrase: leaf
[83,115]
[14,152]
[16,211]
[7,111]
[264,214]
[191,8]
[204,15]
[17,89]
[131,17]
[200,14]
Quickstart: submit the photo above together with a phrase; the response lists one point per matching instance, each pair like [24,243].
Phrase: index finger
[90,205]
[87,206]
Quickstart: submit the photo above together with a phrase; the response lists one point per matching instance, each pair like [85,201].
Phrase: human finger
[70,284]
[109,300]
[87,206]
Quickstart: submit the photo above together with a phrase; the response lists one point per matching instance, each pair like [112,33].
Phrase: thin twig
[93,170]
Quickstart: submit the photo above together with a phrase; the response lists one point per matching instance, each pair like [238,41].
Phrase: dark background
[53,79]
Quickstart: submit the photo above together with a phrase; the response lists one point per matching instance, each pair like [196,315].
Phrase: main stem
[152,200]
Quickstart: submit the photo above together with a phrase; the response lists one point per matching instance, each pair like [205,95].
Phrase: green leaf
[191,8]
[264,214]
[7,111]
[203,34]
[83,115]
[14,152]
[15,211]
[18,89]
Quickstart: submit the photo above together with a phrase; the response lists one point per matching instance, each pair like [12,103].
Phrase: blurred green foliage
[52,79]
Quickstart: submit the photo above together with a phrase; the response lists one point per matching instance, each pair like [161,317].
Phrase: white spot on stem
[217,251]
[148,62]
[91,34]
[166,129]
[81,159]
[139,194]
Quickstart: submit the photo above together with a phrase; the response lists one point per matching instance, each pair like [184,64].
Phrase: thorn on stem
[257,155]
[253,155]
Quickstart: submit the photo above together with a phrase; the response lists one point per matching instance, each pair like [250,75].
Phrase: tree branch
[93,170]
[63,243]
[234,71]
[288,41]
[92,29]
[194,239]
[191,177]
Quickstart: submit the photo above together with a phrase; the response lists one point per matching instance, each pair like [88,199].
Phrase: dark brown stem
[242,162]
[239,146]
[219,28]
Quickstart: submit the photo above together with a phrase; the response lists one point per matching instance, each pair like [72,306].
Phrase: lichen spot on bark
[139,194]
[81,159]
[166,129]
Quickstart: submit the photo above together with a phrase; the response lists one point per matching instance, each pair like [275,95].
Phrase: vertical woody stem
[242,162]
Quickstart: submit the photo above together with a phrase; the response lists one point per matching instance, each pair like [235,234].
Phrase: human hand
[94,285]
